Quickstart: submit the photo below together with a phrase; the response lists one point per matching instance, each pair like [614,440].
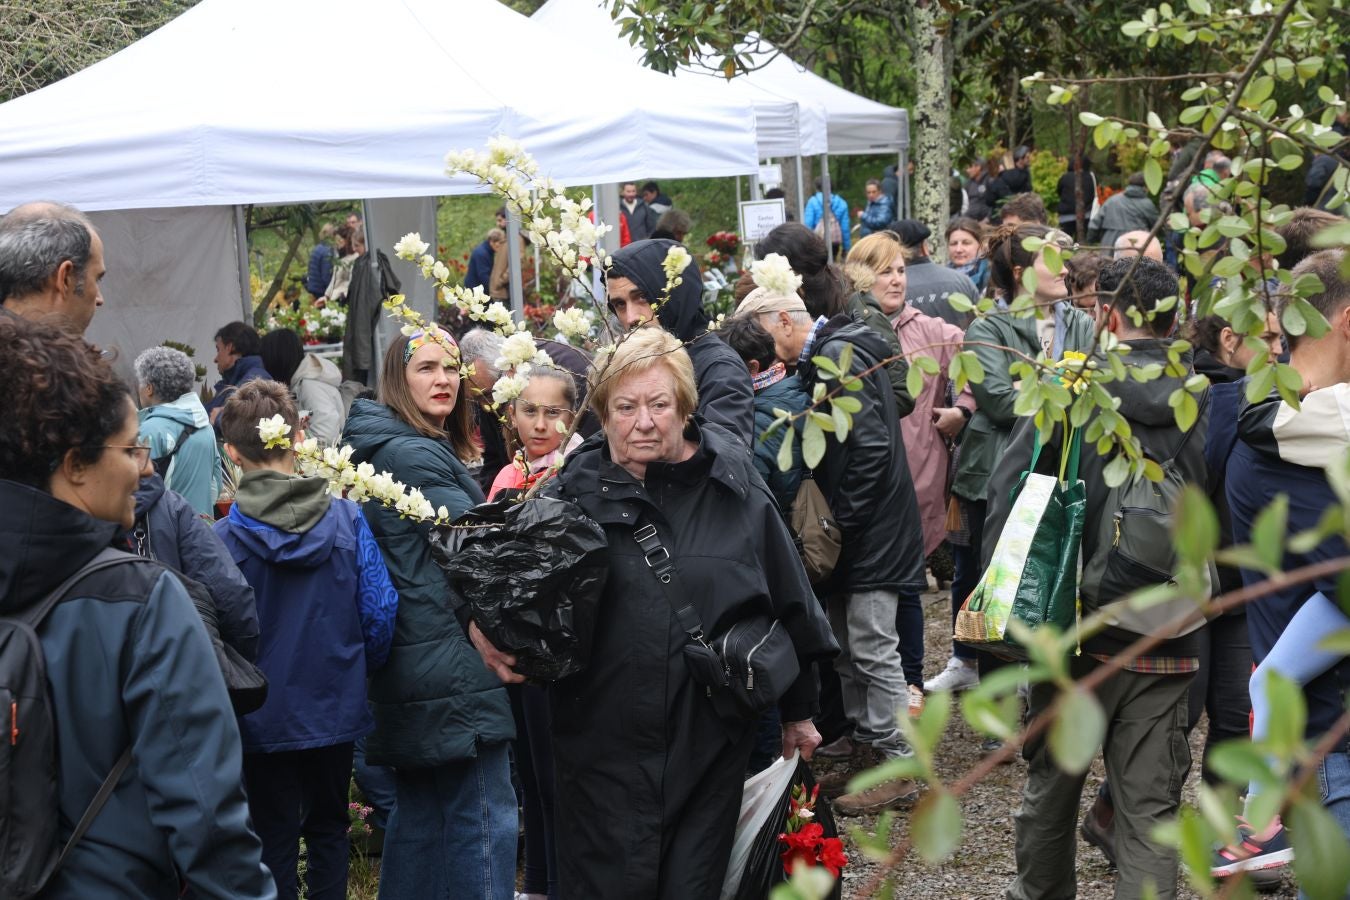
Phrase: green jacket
[986,434]
[434,701]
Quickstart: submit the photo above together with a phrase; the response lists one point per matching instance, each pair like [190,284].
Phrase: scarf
[772,375]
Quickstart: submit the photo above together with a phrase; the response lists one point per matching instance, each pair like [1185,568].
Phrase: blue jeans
[1333,780]
[453,832]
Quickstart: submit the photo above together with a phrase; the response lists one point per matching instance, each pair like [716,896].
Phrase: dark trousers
[534,767]
[1220,688]
[1147,758]
[302,793]
[909,628]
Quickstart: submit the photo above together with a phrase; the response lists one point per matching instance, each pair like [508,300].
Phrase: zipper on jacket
[749,657]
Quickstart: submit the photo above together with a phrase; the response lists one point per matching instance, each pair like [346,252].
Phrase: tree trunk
[930,126]
[260,314]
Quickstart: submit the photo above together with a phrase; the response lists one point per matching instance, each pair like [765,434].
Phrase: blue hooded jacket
[245,369]
[326,611]
[195,469]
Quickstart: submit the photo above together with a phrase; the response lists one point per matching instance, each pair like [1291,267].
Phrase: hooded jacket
[725,396]
[167,529]
[786,394]
[1283,451]
[865,478]
[434,701]
[195,469]
[1225,401]
[1151,420]
[325,604]
[648,776]
[1133,210]
[129,663]
[245,369]
[315,385]
[986,433]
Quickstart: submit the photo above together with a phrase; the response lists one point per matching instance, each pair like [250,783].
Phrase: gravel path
[984,865]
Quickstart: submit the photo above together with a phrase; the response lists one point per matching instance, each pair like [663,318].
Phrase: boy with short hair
[326,612]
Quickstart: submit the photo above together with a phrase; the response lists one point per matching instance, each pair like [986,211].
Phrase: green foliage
[1321,852]
[1046,169]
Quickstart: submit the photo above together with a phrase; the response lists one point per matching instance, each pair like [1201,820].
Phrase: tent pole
[513,255]
[372,250]
[801,190]
[826,209]
[738,191]
[241,247]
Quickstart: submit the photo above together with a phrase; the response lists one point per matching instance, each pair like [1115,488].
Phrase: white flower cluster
[479,307]
[774,273]
[333,318]
[509,387]
[574,323]
[411,246]
[274,432]
[519,350]
[676,261]
[361,483]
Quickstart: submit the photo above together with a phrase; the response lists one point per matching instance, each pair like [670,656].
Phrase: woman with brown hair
[441,719]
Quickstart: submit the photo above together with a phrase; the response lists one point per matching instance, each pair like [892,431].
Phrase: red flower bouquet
[804,840]
[725,242]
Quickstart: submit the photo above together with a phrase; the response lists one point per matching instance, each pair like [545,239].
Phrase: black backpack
[29,816]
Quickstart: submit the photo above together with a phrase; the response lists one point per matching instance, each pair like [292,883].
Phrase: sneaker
[958,676]
[894,794]
[840,749]
[1251,855]
[915,700]
[1099,828]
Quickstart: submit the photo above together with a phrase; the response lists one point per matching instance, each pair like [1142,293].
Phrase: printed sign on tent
[759,217]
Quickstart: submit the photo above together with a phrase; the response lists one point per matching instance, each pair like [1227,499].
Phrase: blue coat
[326,609]
[434,701]
[787,395]
[167,529]
[195,469]
[320,269]
[815,211]
[246,368]
[129,663]
[480,267]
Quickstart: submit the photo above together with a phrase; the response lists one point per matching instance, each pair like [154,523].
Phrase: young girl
[547,402]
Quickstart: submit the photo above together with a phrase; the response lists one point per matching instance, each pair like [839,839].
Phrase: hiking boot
[958,676]
[916,701]
[843,748]
[1099,827]
[894,794]
[1250,855]
[835,782]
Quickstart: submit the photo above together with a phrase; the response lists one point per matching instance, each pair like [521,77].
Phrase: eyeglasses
[532,410]
[140,450]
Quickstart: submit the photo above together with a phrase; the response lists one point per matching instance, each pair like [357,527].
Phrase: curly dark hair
[60,395]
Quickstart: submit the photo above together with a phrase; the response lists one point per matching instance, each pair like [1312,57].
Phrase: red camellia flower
[832,855]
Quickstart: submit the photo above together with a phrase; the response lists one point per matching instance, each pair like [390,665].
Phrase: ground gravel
[984,865]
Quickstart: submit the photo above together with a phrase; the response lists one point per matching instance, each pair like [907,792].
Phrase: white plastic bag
[760,796]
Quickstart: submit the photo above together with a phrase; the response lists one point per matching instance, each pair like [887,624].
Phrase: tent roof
[786,124]
[224,105]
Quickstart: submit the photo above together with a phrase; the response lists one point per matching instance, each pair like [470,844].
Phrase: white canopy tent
[218,109]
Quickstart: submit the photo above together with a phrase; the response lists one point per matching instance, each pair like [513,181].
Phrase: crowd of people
[164,614]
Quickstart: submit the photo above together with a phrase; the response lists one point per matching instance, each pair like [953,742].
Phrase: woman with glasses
[442,720]
[129,665]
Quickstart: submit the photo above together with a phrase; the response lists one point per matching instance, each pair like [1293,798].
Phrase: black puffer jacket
[866,478]
[725,396]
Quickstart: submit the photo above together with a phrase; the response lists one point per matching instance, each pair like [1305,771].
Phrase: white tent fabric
[219,107]
[786,124]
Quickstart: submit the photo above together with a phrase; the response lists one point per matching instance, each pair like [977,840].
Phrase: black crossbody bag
[746,669]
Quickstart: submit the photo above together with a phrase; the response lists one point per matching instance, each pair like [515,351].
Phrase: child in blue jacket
[326,612]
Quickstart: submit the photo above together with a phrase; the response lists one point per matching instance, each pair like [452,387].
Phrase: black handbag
[747,668]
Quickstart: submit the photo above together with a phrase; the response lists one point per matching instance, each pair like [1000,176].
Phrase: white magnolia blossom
[520,348]
[411,246]
[774,273]
[676,261]
[509,387]
[274,432]
[574,323]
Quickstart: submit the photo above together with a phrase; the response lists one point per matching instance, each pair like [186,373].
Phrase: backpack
[818,536]
[162,463]
[29,852]
[828,219]
[1134,545]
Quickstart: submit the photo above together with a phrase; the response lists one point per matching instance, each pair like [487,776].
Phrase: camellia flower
[774,273]
[274,432]
[411,246]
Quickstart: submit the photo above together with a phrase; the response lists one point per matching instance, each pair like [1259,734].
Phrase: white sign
[759,217]
[770,175]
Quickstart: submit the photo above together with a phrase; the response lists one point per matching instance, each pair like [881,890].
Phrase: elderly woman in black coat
[649,774]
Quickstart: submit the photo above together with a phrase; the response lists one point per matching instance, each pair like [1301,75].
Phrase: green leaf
[932,722]
[1268,531]
[1244,557]
[936,828]
[1195,526]
[1116,471]
[1292,319]
[1260,87]
[846,358]
[1321,852]
[850,405]
[1240,762]
[1288,713]
[1336,642]
[1077,731]
[1259,385]
[974,369]
[825,364]
[1185,408]
[927,364]
[1133,29]
[785,450]
[1091,120]
[842,421]
[1153,175]
[960,302]
[813,444]
[914,381]
[1337,235]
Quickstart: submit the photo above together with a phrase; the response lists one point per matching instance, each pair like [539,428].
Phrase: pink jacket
[922,335]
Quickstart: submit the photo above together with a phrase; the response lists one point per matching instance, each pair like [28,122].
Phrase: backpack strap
[662,564]
[161,463]
[96,805]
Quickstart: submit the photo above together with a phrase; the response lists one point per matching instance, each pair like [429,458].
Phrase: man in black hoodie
[1147,755]
[636,284]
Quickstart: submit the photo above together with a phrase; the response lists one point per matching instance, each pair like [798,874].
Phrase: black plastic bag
[532,573]
[764,865]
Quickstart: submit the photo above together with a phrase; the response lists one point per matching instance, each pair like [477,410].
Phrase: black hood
[682,315]
[148,493]
[45,541]
[1208,364]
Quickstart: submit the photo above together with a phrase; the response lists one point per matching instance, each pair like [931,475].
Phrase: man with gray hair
[51,262]
[480,348]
